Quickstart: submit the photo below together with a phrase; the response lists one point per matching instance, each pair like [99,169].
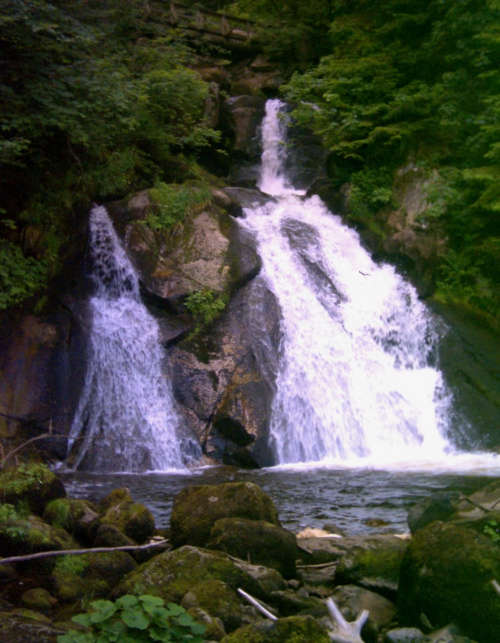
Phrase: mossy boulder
[135,520]
[121,494]
[72,515]
[295,629]
[22,534]
[218,600]
[196,510]
[446,574]
[438,506]
[258,541]
[23,628]
[75,577]
[172,574]
[38,598]
[373,562]
[31,485]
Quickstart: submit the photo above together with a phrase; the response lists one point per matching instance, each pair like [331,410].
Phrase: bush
[134,619]
[205,306]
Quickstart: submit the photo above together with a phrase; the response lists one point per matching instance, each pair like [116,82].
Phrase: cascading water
[126,420]
[356,380]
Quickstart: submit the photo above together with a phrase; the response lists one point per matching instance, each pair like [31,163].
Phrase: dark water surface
[352,499]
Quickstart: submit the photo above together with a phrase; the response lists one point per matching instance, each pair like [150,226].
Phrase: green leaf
[136,618]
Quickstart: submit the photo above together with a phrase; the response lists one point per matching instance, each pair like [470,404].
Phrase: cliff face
[223,387]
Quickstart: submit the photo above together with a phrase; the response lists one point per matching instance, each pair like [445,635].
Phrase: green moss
[30,484]
[295,629]
[172,574]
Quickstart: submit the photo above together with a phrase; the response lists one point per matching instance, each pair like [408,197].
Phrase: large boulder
[22,534]
[372,562]
[446,574]
[30,484]
[224,384]
[172,574]
[132,518]
[439,506]
[73,515]
[258,541]
[196,510]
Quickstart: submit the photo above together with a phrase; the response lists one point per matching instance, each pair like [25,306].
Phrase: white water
[356,383]
[126,420]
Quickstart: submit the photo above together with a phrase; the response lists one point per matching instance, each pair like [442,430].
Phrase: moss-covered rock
[214,629]
[72,515]
[196,510]
[172,574]
[22,534]
[258,541]
[295,629]
[269,580]
[31,485]
[218,600]
[135,520]
[75,577]
[373,562]
[38,598]
[446,574]
[23,628]
[116,496]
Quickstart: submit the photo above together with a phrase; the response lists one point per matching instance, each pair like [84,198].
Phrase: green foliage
[492,530]
[89,110]
[135,619]
[205,306]
[20,276]
[173,203]
[10,522]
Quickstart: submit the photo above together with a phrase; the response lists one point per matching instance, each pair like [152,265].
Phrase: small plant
[173,203]
[10,524]
[205,306]
[492,530]
[133,619]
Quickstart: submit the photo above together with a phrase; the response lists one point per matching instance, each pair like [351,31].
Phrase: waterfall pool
[357,500]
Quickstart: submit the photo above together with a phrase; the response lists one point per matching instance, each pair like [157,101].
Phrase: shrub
[205,306]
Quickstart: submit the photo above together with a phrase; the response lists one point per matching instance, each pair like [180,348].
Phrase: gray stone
[405,635]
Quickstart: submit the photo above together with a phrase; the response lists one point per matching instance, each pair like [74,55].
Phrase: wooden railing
[208,22]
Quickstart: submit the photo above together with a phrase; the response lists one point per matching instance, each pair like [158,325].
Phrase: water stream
[126,419]
[357,378]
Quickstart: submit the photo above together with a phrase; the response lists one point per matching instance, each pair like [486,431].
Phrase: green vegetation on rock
[173,203]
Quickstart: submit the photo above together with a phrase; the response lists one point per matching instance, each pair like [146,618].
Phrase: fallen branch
[253,601]
[79,552]
[319,565]
[343,631]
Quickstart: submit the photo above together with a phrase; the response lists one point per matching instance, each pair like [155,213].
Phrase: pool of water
[356,500]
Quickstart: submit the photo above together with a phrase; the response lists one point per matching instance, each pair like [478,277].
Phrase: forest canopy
[96,103]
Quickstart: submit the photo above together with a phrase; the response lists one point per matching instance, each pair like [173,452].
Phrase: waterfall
[357,379]
[126,419]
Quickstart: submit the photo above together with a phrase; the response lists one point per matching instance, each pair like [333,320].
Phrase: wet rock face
[225,383]
[41,372]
